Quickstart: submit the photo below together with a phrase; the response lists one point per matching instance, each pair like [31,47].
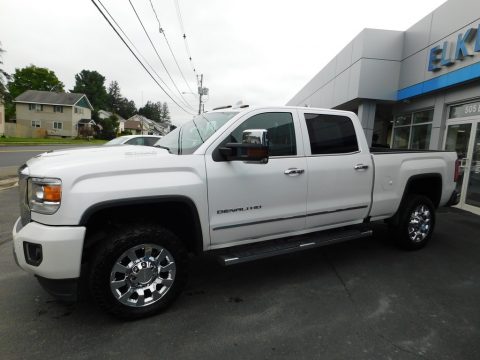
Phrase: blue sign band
[464,74]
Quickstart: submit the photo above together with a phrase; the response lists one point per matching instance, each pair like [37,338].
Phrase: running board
[271,248]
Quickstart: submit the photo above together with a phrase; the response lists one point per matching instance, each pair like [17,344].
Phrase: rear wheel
[138,272]
[416,222]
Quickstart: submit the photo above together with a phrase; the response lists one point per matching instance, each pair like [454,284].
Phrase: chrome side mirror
[253,148]
[255,136]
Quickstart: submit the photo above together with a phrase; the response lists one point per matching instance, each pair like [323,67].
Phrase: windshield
[188,137]
[116,141]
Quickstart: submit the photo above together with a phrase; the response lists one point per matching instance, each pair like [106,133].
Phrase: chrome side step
[271,248]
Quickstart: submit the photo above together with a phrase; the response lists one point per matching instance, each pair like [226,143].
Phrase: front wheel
[138,272]
[416,222]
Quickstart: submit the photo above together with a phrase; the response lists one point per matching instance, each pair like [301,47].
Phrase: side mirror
[253,148]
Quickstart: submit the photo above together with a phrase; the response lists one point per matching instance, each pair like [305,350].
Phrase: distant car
[146,140]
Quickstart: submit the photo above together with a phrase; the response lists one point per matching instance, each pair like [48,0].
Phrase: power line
[133,45]
[162,31]
[136,57]
[158,55]
[180,20]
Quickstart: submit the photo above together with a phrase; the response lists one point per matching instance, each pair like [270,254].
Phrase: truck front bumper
[52,253]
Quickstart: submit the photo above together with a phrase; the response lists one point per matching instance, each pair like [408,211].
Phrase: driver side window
[281,132]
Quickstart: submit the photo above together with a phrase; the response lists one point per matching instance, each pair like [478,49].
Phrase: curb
[8,183]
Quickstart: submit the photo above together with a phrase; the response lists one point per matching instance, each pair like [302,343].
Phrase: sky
[258,52]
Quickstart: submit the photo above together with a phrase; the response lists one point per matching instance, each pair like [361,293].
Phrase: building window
[57,108]
[412,131]
[78,110]
[36,123]
[35,107]
[57,125]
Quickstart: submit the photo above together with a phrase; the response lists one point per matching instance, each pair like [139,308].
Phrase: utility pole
[201,91]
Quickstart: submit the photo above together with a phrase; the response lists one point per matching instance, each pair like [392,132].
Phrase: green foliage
[152,111]
[109,127]
[114,97]
[157,112]
[165,114]
[4,77]
[92,84]
[33,78]
[117,104]
[127,108]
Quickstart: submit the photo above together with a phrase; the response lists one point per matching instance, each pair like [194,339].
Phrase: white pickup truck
[245,183]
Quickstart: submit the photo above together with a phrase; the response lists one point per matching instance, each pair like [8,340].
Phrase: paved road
[17,155]
[359,300]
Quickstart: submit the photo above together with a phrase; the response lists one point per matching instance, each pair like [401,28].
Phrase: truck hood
[108,157]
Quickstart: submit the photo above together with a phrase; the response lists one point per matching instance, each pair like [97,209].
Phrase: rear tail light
[456,176]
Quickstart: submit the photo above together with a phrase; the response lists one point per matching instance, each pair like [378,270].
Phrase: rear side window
[331,134]
[150,141]
[135,141]
[281,132]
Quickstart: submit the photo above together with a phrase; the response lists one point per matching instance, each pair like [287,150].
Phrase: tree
[4,77]
[92,84]
[33,78]
[152,111]
[118,104]
[127,108]
[109,127]
[165,114]
[114,97]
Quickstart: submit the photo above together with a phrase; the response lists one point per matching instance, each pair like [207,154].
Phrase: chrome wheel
[419,224]
[142,275]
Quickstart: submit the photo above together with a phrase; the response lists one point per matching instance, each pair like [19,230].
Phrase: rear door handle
[293,172]
[360,167]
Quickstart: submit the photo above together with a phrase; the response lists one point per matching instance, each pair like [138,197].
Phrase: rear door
[339,167]
[251,201]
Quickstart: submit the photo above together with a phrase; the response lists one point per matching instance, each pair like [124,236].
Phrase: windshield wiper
[162,147]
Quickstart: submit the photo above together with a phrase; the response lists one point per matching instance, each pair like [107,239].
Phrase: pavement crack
[358,314]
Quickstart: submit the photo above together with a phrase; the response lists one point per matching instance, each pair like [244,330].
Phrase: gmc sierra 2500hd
[247,183]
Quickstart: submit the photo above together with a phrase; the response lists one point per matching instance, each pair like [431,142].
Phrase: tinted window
[281,132]
[150,141]
[135,141]
[331,134]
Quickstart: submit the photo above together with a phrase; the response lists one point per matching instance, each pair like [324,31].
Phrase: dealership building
[413,89]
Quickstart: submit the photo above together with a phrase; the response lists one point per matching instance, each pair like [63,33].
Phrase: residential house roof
[132,124]
[104,114]
[51,98]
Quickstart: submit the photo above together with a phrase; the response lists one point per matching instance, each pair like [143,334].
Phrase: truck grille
[23,188]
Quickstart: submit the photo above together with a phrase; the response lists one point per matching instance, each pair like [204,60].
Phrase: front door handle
[360,167]
[293,172]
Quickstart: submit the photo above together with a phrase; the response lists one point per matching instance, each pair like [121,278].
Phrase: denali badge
[246,208]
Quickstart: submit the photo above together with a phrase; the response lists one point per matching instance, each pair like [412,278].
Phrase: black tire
[416,222]
[136,237]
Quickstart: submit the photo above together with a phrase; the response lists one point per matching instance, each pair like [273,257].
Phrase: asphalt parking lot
[359,300]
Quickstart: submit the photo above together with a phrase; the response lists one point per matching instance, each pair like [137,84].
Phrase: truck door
[252,201]
[339,168]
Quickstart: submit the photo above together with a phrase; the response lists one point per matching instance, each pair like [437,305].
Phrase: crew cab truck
[243,183]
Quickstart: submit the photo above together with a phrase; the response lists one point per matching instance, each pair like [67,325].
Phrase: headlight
[44,195]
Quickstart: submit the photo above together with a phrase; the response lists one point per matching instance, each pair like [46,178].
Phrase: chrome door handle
[293,172]
[360,167]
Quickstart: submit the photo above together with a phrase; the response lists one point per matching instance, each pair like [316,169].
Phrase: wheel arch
[177,213]
[429,185]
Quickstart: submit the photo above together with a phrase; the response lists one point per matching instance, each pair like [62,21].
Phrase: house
[103,114]
[140,125]
[57,114]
